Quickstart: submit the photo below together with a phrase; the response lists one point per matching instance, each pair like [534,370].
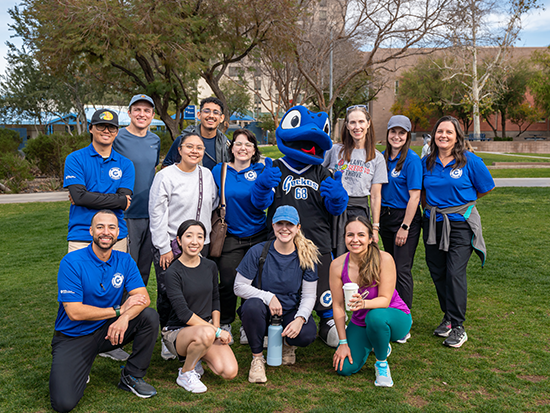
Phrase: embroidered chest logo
[250,176]
[115,173]
[456,173]
[117,280]
[395,174]
[299,186]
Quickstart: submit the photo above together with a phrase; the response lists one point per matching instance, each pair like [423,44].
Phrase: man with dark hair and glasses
[215,142]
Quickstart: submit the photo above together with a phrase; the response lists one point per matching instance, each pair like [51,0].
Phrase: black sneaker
[456,338]
[328,332]
[136,386]
[444,328]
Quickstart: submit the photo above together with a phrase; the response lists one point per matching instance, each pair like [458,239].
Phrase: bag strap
[261,262]
[223,176]
[200,194]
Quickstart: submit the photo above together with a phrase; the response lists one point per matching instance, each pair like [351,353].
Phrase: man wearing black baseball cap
[97,178]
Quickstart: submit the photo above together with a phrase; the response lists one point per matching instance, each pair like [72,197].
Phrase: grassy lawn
[504,366]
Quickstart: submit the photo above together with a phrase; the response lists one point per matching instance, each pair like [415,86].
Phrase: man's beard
[110,245]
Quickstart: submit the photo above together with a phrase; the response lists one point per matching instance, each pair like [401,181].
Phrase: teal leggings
[383,325]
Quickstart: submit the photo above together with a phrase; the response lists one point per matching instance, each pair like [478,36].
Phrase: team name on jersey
[290,183]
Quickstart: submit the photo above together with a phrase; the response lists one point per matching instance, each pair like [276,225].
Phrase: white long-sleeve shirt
[174,198]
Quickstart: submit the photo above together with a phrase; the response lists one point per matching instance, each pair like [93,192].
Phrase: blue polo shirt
[281,274]
[243,218]
[84,278]
[447,187]
[144,152]
[87,167]
[395,194]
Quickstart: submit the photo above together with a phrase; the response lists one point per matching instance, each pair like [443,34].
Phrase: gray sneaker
[383,375]
[227,327]
[138,386]
[444,329]
[244,338]
[117,354]
[457,337]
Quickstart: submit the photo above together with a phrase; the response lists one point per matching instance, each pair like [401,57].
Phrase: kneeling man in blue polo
[90,319]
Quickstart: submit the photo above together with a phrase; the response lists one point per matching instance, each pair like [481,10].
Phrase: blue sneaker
[383,376]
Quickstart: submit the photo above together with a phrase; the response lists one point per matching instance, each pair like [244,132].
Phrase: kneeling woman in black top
[288,289]
[193,329]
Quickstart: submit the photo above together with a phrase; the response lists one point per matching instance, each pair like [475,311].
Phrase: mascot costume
[299,179]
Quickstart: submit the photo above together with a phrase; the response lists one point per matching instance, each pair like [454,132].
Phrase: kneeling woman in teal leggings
[379,314]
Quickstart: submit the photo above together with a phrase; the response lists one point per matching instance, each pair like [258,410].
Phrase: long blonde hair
[369,267]
[308,253]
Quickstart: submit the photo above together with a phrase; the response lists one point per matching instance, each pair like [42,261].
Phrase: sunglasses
[357,107]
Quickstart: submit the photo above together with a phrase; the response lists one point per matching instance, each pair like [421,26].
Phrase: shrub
[14,172]
[49,151]
[165,143]
[507,138]
[9,141]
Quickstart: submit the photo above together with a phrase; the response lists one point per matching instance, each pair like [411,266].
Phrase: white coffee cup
[349,290]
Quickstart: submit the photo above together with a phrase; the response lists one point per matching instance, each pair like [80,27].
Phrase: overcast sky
[536,32]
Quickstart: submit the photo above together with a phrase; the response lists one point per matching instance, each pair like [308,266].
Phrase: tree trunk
[503,121]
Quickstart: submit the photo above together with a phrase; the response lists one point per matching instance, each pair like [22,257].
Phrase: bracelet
[344,341]
[218,332]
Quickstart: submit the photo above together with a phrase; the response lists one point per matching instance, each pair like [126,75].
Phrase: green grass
[546,155]
[503,367]
[521,173]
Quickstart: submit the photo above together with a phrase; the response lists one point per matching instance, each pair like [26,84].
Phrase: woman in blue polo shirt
[454,179]
[400,218]
[245,223]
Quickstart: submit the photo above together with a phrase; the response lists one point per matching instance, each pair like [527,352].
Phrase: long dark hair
[402,152]
[458,151]
[251,138]
[369,268]
[347,141]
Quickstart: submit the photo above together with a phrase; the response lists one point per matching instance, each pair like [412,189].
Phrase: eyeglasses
[357,107]
[210,111]
[247,145]
[190,147]
[102,126]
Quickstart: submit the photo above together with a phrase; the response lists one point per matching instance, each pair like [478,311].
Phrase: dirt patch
[532,379]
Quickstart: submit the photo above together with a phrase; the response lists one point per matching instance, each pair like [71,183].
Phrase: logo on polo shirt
[115,173]
[326,299]
[250,176]
[456,173]
[117,280]
[395,173]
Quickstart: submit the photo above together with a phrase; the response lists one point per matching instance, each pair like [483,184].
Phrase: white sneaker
[191,381]
[227,327]
[117,354]
[199,369]
[256,373]
[165,353]
[244,338]
[404,339]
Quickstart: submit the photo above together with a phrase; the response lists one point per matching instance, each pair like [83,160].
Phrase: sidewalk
[522,182]
[35,197]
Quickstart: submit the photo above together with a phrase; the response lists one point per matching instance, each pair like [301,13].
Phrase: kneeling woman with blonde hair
[379,314]
[193,329]
[286,286]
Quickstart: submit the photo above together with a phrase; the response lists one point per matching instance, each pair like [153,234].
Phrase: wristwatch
[405,227]
[117,310]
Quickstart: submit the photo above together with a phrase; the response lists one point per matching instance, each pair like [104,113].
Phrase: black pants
[140,245]
[390,222]
[73,357]
[448,269]
[163,304]
[324,297]
[256,316]
[234,249]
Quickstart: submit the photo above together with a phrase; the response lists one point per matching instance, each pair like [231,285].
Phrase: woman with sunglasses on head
[400,219]
[453,180]
[246,224]
[363,169]
[286,287]
[182,191]
[193,330]
[379,314]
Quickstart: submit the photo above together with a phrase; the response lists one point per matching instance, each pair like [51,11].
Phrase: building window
[258,83]
[323,3]
[257,99]
[234,71]
[322,14]
[396,87]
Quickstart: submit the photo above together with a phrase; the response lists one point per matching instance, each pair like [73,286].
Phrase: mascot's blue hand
[336,197]
[270,176]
